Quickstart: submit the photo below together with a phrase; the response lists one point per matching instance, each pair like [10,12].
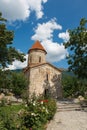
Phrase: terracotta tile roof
[37,46]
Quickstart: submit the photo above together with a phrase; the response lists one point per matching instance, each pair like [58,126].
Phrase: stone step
[62,110]
[68,103]
[70,109]
[69,106]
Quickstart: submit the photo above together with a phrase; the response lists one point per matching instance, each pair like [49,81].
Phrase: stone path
[69,116]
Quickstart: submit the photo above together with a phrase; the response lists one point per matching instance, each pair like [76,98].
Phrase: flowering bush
[39,111]
[32,116]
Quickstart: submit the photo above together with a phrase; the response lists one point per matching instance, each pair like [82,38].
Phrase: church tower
[37,54]
[43,77]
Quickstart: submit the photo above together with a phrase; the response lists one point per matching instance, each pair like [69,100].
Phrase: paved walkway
[69,116]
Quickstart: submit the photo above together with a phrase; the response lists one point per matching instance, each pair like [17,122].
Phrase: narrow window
[39,59]
[47,77]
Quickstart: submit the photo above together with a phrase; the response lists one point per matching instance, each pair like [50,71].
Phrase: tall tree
[7,53]
[19,83]
[77,45]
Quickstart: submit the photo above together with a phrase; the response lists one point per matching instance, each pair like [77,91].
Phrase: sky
[45,20]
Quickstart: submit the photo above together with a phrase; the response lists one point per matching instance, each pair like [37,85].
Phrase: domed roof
[37,46]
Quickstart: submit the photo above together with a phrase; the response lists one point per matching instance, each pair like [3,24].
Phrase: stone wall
[45,77]
[36,56]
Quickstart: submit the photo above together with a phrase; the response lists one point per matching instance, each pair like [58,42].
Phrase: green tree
[77,45]
[5,80]
[7,53]
[19,83]
[72,86]
[15,82]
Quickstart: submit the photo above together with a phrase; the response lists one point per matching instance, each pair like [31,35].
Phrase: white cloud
[44,33]
[64,36]
[56,51]
[36,5]
[14,10]
[21,9]
[18,64]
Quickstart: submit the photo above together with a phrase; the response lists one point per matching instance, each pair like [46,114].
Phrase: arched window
[39,59]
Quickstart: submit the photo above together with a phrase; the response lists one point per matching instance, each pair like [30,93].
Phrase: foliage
[7,53]
[39,111]
[19,83]
[5,80]
[10,119]
[77,44]
[34,116]
[3,102]
[73,87]
[13,81]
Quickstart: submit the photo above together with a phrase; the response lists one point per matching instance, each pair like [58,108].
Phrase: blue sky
[43,20]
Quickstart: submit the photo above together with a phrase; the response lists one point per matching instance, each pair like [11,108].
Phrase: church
[44,78]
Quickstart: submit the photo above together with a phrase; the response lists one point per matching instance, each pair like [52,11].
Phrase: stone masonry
[43,77]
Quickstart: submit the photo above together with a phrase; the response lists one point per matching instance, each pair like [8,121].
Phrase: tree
[7,53]
[72,86]
[69,84]
[15,82]
[19,83]
[5,81]
[77,45]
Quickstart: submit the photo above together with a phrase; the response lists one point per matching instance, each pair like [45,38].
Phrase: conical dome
[36,54]
[37,46]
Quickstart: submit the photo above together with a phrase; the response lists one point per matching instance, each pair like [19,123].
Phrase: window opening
[40,59]
[47,77]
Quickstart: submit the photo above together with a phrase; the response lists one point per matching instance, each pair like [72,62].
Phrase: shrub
[3,102]
[39,111]
[34,116]
[73,87]
[13,82]
[10,119]
[19,83]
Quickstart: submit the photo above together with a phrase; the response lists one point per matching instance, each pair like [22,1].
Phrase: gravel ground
[68,118]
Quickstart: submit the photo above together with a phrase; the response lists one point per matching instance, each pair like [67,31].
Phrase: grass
[19,117]
[11,108]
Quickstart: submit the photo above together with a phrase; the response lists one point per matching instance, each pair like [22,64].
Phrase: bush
[19,83]
[13,82]
[10,118]
[39,111]
[3,102]
[73,87]
[34,116]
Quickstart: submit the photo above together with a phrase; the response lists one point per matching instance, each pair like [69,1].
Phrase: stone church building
[44,78]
